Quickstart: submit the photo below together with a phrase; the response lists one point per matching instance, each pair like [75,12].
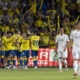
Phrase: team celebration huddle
[18,45]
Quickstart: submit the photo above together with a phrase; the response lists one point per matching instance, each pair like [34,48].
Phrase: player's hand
[65,49]
[2,48]
[18,48]
[15,39]
[55,51]
[70,50]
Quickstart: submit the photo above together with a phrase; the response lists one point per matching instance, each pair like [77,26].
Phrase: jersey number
[35,43]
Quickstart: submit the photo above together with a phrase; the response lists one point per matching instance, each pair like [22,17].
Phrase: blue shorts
[0,52]
[34,53]
[12,52]
[17,53]
[20,54]
[24,53]
[8,53]
[5,53]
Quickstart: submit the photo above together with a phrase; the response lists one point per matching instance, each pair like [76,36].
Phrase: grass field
[39,74]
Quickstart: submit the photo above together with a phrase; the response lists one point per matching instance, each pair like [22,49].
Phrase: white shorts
[62,54]
[76,53]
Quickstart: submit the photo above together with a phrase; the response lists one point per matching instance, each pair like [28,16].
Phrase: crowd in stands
[43,17]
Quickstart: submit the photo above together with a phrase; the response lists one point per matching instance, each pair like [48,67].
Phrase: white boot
[7,67]
[14,67]
[35,67]
[25,67]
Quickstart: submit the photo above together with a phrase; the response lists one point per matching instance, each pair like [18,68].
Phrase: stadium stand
[39,16]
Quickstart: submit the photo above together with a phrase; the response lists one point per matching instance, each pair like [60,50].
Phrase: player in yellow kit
[4,49]
[19,39]
[25,50]
[8,46]
[15,48]
[14,44]
[34,48]
[1,52]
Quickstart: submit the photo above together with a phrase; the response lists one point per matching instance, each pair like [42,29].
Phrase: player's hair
[9,32]
[15,31]
[60,29]
[24,32]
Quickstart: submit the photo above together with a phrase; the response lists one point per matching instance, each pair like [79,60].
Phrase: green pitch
[39,74]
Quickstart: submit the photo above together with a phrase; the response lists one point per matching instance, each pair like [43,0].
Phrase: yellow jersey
[0,44]
[19,40]
[25,44]
[52,44]
[39,23]
[16,21]
[5,28]
[12,29]
[8,44]
[14,42]
[10,12]
[44,40]
[3,42]
[34,7]
[35,42]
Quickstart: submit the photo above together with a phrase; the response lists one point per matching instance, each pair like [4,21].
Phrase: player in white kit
[75,38]
[61,47]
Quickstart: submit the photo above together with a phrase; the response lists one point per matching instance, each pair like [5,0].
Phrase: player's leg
[11,54]
[79,68]
[60,61]
[75,66]
[26,56]
[75,62]
[34,56]
[60,64]
[8,59]
[79,65]
[65,63]
[21,59]
[2,58]
[36,60]
[65,56]
[18,59]
[25,59]
[5,58]
[14,60]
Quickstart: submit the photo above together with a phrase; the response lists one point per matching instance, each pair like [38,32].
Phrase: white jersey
[62,41]
[75,36]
